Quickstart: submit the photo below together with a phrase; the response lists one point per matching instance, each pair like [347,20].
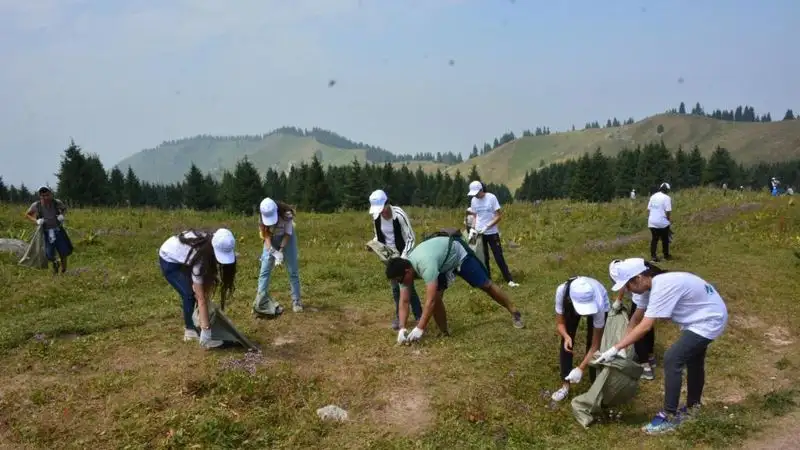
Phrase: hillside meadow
[94,358]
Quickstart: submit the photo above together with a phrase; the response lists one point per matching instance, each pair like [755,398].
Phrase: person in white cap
[659,221]
[276,228]
[699,310]
[48,213]
[486,209]
[193,263]
[392,227]
[633,194]
[644,347]
[578,297]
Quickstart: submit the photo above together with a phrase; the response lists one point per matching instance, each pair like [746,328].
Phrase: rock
[15,246]
[332,412]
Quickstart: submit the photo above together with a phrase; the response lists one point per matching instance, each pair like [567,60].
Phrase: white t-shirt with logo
[690,302]
[485,209]
[174,251]
[603,305]
[660,204]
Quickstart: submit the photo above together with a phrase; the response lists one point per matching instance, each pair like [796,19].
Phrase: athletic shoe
[560,394]
[518,320]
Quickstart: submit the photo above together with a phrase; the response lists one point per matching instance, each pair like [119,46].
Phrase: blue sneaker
[661,423]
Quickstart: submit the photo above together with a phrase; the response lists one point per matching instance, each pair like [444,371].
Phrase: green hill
[748,142]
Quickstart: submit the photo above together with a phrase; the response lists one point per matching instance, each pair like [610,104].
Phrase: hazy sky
[123,75]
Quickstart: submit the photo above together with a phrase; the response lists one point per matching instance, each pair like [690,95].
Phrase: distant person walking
[486,209]
[699,310]
[633,194]
[48,214]
[659,221]
[392,228]
[276,228]
[437,261]
[576,298]
[193,263]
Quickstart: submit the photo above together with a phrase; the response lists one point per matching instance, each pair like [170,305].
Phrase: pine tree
[133,189]
[3,192]
[356,194]
[318,194]
[71,187]
[247,190]
[697,166]
[721,168]
[116,187]
[473,174]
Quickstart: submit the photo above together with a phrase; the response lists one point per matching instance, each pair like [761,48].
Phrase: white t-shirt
[174,251]
[601,298]
[283,226]
[485,209]
[660,204]
[387,228]
[690,302]
[641,300]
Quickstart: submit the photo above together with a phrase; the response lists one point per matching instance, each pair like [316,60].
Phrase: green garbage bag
[618,380]
[35,255]
[222,328]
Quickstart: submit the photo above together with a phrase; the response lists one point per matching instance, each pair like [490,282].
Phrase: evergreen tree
[116,187]
[133,189]
[356,194]
[473,174]
[681,108]
[721,168]
[71,186]
[318,194]
[4,197]
[247,190]
[789,115]
[697,166]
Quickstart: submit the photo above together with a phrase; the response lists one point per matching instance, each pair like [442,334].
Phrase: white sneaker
[207,342]
[512,284]
[560,394]
[190,335]
[297,307]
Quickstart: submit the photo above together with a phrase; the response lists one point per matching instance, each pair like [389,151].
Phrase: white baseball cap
[377,200]
[269,212]
[665,185]
[623,271]
[583,296]
[474,188]
[224,243]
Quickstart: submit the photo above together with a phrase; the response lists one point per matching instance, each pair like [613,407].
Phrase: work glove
[415,335]
[401,336]
[60,217]
[481,230]
[39,221]
[609,354]
[205,337]
[278,255]
[574,376]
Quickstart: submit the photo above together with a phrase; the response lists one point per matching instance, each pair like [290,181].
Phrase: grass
[748,143]
[94,358]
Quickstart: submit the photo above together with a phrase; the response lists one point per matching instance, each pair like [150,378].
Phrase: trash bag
[384,252]
[35,255]
[264,305]
[222,328]
[476,244]
[617,382]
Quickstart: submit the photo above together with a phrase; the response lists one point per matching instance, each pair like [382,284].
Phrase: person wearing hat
[276,228]
[48,213]
[659,221]
[644,347]
[438,260]
[393,228]
[578,297]
[699,310]
[486,209]
[193,263]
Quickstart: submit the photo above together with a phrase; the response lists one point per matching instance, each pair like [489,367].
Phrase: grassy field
[94,358]
[748,143]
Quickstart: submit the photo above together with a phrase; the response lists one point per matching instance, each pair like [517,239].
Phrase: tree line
[742,113]
[600,178]
[84,182]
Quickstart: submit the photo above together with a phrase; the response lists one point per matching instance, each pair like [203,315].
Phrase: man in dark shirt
[48,214]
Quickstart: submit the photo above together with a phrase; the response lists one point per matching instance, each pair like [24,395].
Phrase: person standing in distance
[486,209]
[699,310]
[48,212]
[659,221]
[393,228]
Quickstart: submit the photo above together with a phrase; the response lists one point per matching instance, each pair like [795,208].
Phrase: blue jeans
[416,307]
[61,245]
[181,282]
[289,259]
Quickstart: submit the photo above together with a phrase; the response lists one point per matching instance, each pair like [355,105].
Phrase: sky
[124,75]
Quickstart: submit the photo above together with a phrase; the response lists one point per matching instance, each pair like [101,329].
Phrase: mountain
[748,142]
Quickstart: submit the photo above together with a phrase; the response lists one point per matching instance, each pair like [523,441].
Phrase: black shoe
[654,259]
[55,267]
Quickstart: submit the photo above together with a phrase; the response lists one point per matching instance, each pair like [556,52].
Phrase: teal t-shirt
[428,257]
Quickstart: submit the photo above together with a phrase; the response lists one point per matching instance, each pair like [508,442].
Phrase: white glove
[481,230]
[39,221]
[401,336]
[609,354]
[205,336]
[473,233]
[574,376]
[415,334]
[278,255]
[60,217]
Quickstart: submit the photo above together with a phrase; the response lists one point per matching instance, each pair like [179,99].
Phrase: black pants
[661,234]
[644,346]
[564,357]
[689,351]
[493,241]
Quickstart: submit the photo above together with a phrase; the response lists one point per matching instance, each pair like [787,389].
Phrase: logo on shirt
[709,289]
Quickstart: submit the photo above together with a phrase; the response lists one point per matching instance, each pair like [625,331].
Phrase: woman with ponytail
[575,298]
[194,263]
